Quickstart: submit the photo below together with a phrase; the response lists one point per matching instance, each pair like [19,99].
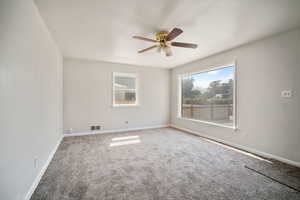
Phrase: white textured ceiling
[103,29]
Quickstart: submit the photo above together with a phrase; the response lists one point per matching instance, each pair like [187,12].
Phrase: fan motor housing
[161,37]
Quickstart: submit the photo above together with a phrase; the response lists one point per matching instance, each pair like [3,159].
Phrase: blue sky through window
[202,80]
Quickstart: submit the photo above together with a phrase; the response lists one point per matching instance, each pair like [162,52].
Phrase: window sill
[209,123]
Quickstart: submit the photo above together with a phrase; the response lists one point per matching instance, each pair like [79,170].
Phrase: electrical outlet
[97,127]
[286,94]
[92,128]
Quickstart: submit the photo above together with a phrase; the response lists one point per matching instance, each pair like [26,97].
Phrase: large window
[209,96]
[124,89]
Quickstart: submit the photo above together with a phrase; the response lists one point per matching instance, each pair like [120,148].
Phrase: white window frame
[128,75]
[179,98]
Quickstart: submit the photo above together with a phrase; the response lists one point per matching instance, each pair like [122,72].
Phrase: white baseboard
[254,151]
[115,130]
[43,170]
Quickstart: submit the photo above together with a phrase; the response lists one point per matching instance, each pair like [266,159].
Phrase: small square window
[124,89]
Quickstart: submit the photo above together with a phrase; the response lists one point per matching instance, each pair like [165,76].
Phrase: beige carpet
[157,164]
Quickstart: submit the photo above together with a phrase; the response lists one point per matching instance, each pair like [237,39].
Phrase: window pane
[208,96]
[125,97]
[124,82]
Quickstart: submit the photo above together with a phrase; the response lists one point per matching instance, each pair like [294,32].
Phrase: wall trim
[115,130]
[43,170]
[241,147]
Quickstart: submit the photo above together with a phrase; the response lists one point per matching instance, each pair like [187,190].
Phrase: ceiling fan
[163,40]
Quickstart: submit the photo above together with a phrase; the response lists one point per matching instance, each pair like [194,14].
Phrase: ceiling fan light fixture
[168,51]
[163,40]
[159,49]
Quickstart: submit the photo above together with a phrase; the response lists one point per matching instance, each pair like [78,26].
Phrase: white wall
[30,96]
[266,122]
[88,96]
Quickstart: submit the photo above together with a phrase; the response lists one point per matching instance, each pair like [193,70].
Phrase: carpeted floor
[159,164]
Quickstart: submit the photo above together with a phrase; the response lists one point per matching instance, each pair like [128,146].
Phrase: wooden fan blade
[143,38]
[185,45]
[141,51]
[168,51]
[173,34]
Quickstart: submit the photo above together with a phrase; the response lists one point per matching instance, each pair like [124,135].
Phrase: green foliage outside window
[217,93]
